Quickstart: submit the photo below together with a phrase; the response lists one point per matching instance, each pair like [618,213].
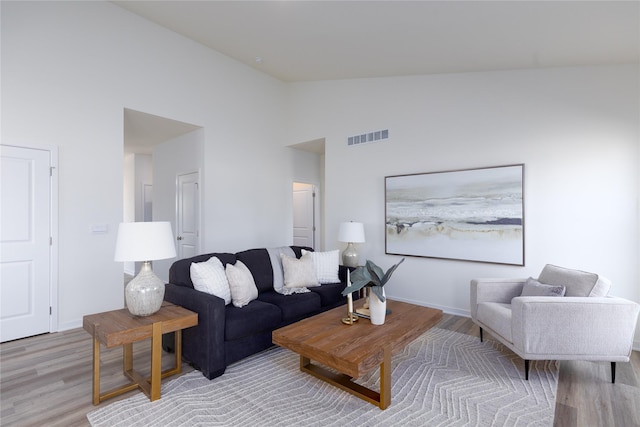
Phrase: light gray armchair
[584,324]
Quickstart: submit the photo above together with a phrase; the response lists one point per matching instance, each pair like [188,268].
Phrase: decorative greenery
[370,275]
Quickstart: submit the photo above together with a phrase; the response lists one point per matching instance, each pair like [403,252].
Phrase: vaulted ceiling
[318,40]
[297,41]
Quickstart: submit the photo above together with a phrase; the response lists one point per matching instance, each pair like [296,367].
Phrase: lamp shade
[144,241]
[351,232]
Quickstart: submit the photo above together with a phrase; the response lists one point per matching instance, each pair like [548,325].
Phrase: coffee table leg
[385,379]
[345,382]
[156,361]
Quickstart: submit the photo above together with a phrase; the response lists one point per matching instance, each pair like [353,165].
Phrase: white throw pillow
[299,273]
[209,277]
[326,265]
[241,284]
[533,288]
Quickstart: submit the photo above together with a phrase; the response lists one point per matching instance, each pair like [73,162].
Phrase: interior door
[303,214]
[188,215]
[25,245]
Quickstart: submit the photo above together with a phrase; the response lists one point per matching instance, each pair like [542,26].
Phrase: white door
[25,235]
[303,215]
[188,215]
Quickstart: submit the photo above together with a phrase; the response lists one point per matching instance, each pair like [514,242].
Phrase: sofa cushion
[299,273]
[243,288]
[254,317]
[578,283]
[497,316]
[210,277]
[293,307]
[533,288]
[330,294]
[259,263]
[326,265]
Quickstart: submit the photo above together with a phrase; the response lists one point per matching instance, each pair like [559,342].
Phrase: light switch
[99,228]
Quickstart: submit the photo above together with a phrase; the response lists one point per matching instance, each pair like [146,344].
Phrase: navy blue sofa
[226,334]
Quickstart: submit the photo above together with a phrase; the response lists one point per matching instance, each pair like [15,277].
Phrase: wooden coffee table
[356,349]
[119,327]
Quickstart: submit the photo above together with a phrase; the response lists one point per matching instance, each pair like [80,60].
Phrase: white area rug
[442,379]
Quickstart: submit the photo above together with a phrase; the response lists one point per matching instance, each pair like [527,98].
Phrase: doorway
[28,287]
[304,214]
[150,186]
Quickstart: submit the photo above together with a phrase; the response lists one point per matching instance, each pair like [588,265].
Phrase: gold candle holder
[350,319]
[350,316]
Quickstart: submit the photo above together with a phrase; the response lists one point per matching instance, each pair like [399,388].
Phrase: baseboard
[636,345]
[72,324]
[448,310]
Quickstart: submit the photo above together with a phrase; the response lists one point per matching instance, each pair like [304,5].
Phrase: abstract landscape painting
[472,214]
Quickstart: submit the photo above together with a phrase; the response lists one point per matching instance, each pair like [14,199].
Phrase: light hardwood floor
[46,380]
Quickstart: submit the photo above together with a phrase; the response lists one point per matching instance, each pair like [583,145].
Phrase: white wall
[137,172]
[180,155]
[128,188]
[575,129]
[68,71]
[129,199]
[143,176]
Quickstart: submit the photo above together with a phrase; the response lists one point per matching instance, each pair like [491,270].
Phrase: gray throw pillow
[533,288]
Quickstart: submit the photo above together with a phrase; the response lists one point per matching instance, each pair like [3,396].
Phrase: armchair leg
[526,369]
[613,372]
[481,340]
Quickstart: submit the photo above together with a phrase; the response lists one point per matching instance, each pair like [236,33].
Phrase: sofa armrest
[493,290]
[202,345]
[590,328]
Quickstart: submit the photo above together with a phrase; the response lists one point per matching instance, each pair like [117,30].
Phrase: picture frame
[467,214]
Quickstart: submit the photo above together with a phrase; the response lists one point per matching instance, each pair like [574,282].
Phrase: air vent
[368,137]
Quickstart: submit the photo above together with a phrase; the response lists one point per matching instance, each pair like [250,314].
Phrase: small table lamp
[350,233]
[144,241]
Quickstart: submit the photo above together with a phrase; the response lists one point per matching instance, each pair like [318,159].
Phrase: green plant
[370,275]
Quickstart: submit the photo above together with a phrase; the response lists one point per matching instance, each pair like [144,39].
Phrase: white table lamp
[146,242]
[350,233]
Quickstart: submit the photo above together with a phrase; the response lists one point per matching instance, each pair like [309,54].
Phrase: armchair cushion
[496,316]
[578,283]
[533,288]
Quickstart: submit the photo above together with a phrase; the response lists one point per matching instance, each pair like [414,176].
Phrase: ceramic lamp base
[350,256]
[145,293]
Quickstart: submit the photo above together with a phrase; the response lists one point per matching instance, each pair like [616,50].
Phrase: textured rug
[442,379]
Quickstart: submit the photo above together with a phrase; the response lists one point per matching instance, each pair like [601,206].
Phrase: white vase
[377,308]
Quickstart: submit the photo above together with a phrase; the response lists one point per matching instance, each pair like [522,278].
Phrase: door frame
[53,228]
[177,207]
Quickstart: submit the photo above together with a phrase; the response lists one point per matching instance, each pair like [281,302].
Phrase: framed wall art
[471,214]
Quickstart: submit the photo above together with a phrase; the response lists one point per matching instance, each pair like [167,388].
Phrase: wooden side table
[119,327]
